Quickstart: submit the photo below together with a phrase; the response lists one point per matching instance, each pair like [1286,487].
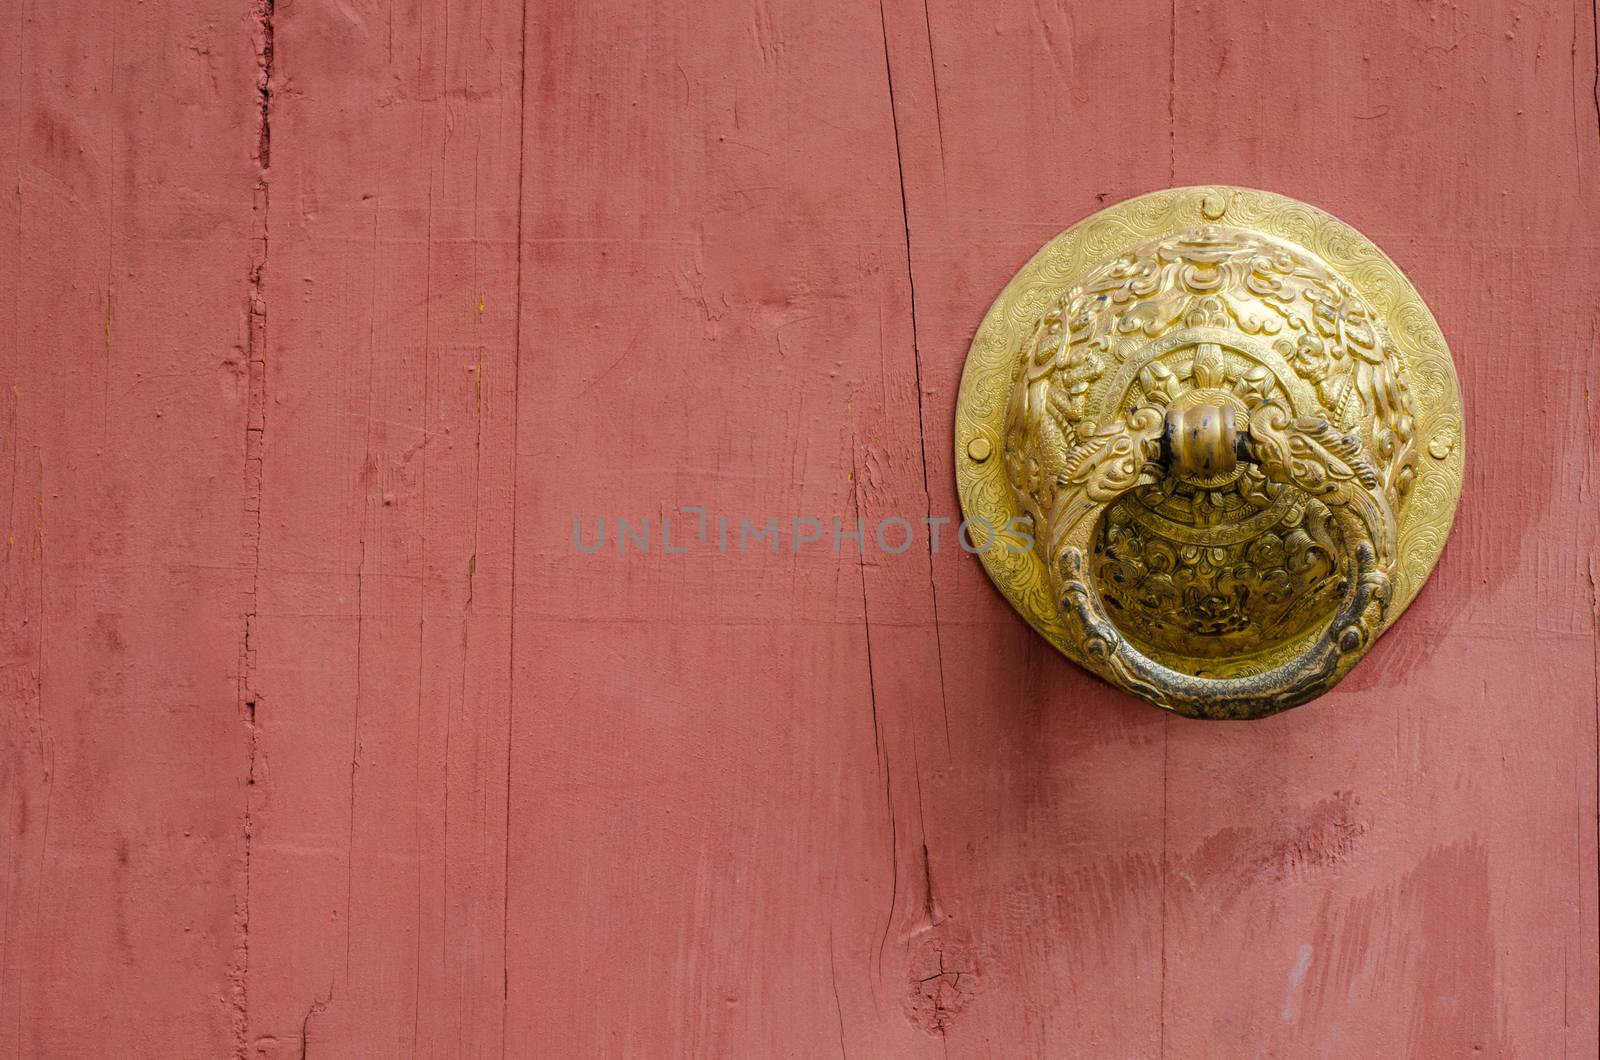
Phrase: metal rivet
[979,449]
[1213,205]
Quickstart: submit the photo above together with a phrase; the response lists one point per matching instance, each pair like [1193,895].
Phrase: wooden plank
[1410,868]
[383,618]
[1015,119]
[126,236]
[717,846]
[1407,867]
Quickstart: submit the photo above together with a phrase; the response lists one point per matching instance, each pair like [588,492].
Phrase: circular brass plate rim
[996,350]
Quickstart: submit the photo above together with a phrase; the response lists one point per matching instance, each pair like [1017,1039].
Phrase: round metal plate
[1001,346]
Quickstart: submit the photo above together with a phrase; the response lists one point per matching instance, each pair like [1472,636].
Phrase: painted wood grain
[319,737]
[384,604]
[127,237]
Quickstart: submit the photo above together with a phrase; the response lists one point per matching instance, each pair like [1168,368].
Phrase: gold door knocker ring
[1238,462]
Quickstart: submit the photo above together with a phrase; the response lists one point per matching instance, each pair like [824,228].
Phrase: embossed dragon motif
[1204,568]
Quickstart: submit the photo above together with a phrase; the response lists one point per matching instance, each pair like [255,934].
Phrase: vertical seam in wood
[255,376]
[111,246]
[1594,596]
[15,403]
[516,424]
[422,547]
[1166,741]
[1587,486]
[361,570]
[1594,760]
[1594,25]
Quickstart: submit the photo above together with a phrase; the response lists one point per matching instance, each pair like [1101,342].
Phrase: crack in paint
[838,1008]
[255,341]
[916,356]
[318,1004]
[266,10]
[878,750]
[938,110]
[927,496]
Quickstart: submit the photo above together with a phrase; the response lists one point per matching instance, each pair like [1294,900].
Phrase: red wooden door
[323,321]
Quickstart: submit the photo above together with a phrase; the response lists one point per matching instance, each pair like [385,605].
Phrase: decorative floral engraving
[1343,398]
[1175,570]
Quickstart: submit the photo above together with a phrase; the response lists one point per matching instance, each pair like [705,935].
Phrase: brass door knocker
[1233,431]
